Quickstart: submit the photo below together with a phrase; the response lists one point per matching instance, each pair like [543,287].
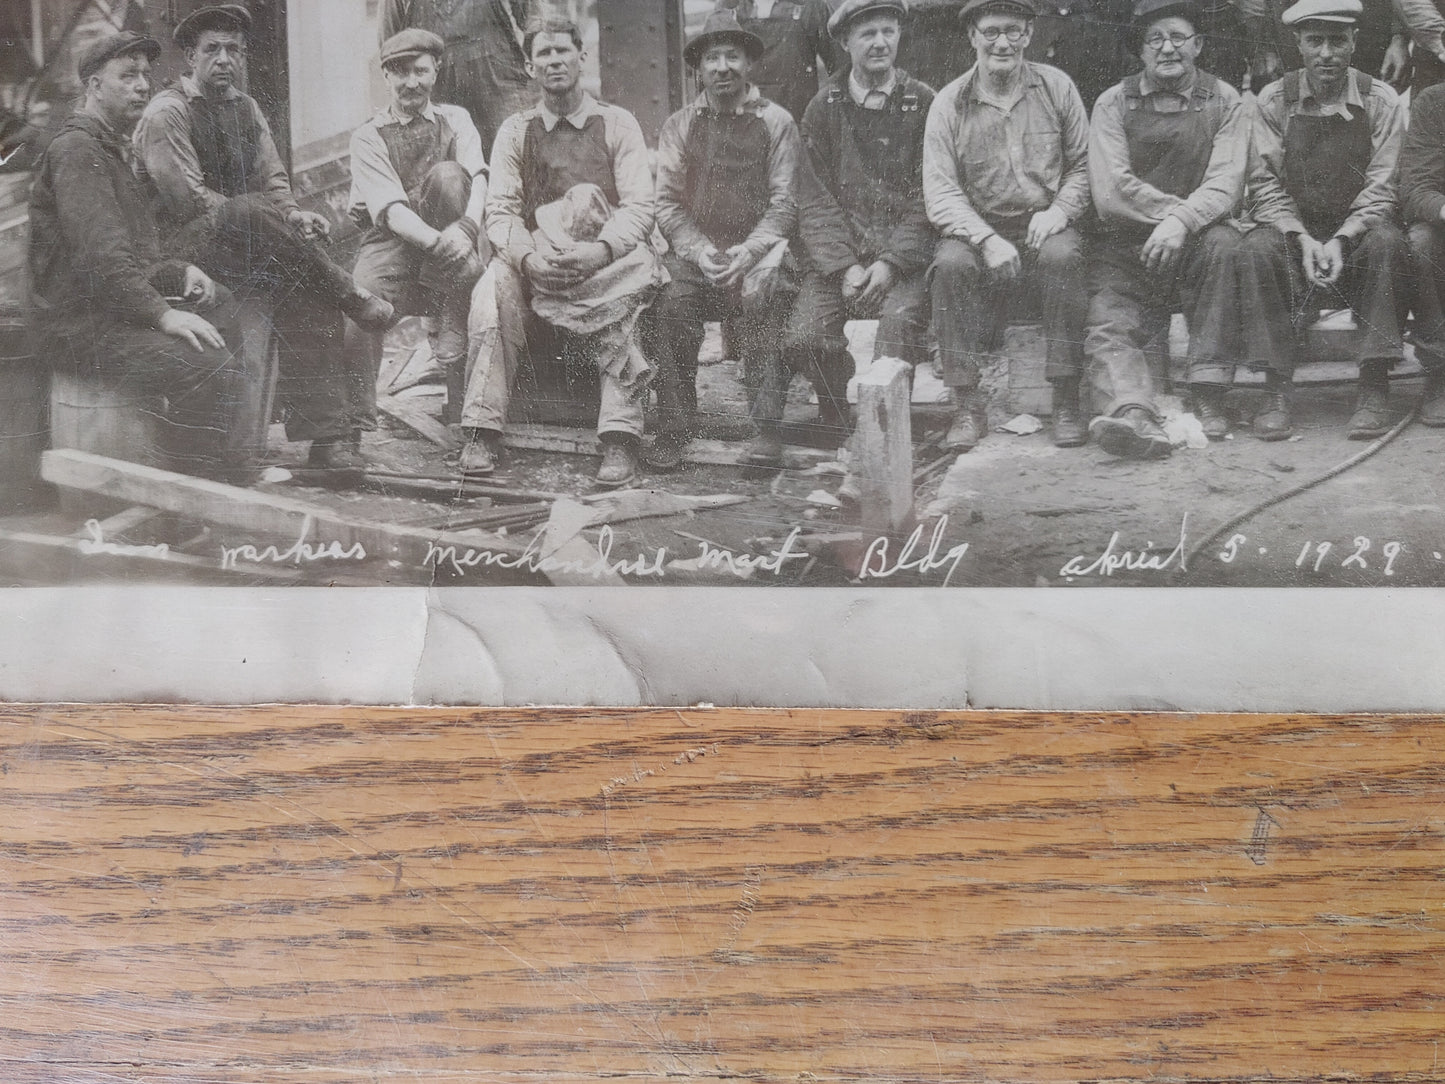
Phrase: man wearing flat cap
[224,200]
[866,239]
[1327,141]
[725,202]
[571,223]
[418,189]
[1005,180]
[1168,149]
[108,302]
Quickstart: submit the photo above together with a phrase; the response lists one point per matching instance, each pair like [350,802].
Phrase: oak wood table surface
[337,895]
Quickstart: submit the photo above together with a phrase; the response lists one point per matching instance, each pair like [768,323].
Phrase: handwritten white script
[96,544]
[299,551]
[877,564]
[1114,560]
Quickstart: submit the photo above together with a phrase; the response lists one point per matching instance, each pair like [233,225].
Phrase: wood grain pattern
[331,895]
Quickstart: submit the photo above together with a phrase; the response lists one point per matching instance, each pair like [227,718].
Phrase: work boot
[1065,421]
[765,449]
[1209,405]
[1432,402]
[335,464]
[1371,418]
[481,453]
[369,312]
[970,423]
[666,453]
[1272,420]
[619,461]
[1131,433]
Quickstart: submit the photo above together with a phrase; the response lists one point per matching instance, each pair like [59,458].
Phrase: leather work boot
[1272,420]
[1065,423]
[335,464]
[765,449]
[1432,402]
[970,423]
[481,453]
[619,463]
[1209,405]
[1371,418]
[369,312]
[1132,433]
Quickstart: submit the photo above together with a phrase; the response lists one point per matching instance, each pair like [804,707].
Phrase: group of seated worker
[933,214]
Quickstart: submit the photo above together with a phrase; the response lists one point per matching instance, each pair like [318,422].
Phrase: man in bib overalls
[725,203]
[864,230]
[1327,140]
[418,188]
[1168,150]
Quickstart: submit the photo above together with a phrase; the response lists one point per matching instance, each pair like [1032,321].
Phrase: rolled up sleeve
[375,185]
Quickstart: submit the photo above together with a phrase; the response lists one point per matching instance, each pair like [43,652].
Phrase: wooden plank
[549,438]
[258,512]
[339,895]
[883,446]
[417,420]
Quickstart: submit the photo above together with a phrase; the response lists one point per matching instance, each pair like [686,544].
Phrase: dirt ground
[1015,512]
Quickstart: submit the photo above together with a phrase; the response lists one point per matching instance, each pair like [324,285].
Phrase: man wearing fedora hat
[865,235]
[795,38]
[107,299]
[1168,150]
[418,189]
[725,203]
[1327,140]
[1004,179]
[225,201]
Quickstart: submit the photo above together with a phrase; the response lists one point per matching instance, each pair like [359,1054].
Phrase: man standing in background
[484,69]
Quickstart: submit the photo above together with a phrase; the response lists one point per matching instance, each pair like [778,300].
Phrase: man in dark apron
[864,230]
[418,188]
[1168,151]
[578,297]
[726,205]
[1327,140]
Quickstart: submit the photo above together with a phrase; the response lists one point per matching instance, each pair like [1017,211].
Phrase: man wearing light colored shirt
[580,294]
[418,188]
[726,204]
[1004,181]
[1327,141]
[1168,149]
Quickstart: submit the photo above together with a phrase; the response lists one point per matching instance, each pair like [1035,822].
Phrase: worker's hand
[541,272]
[453,247]
[1044,225]
[309,224]
[740,262]
[198,288]
[711,263]
[1161,251]
[1322,263]
[200,333]
[1001,258]
[881,277]
[586,259]
[853,280]
[1396,62]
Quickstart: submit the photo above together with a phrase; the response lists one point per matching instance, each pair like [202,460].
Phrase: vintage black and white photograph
[820,293]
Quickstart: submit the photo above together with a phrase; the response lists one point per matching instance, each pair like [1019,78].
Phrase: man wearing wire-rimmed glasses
[1168,150]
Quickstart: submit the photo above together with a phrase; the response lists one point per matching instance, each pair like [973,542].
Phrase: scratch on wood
[1257,851]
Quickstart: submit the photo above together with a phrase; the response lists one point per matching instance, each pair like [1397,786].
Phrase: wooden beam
[289,519]
[883,446]
[549,438]
[418,420]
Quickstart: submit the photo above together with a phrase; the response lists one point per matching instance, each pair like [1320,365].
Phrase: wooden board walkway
[333,895]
